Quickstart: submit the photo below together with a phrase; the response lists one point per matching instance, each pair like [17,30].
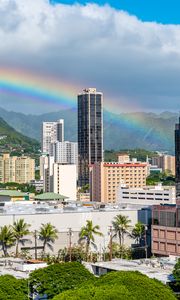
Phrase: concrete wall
[74,220]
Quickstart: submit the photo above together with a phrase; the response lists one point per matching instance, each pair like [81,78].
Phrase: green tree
[121,285]
[121,225]
[176,273]
[48,234]
[12,288]
[138,232]
[57,278]
[87,234]
[7,238]
[20,229]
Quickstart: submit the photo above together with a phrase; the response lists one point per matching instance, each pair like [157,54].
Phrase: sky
[128,49]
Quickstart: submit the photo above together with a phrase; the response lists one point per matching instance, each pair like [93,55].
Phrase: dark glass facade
[177,159]
[90,132]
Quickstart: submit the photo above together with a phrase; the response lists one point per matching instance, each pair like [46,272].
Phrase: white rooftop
[158,268]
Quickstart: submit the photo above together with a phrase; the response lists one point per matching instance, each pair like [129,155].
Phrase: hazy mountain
[127,130]
[11,139]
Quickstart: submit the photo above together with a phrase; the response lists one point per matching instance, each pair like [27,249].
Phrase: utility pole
[110,243]
[35,244]
[70,243]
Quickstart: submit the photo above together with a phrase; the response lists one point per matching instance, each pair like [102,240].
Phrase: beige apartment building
[107,176]
[165,162]
[16,169]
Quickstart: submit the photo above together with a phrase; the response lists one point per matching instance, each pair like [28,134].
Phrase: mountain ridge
[146,130]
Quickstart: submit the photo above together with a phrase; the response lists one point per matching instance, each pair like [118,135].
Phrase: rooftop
[158,268]
[50,196]
[12,193]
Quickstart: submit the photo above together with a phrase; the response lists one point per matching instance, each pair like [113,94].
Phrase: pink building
[165,230]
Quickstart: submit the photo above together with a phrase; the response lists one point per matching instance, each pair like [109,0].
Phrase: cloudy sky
[127,49]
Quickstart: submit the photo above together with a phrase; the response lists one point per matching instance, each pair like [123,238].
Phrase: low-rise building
[165,230]
[148,195]
[13,196]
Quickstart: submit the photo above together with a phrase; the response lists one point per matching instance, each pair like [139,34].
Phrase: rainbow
[37,88]
[44,89]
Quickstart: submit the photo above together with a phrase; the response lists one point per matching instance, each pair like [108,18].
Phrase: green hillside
[141,130]
[13,141]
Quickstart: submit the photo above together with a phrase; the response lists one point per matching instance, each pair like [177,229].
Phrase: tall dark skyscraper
[177,154]
[90,132]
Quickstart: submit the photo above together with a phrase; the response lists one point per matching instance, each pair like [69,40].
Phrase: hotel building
[107,176]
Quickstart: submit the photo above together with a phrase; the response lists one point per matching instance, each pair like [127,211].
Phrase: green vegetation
[7,238]
[23,187]
[120,285]
[12,288]
[57,278]
[48,234]
[14,142]
[176,273]
[166,178]
[87,234]
[20,229]
[121,225]
[140,154]
[138,232]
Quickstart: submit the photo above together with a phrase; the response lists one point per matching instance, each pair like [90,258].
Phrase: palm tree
[87,234]
[7,238]
[20,229]
[121,226]
[48,234]
[138,232]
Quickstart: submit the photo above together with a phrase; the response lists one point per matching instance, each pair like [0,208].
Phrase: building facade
[65,152]
[61,179]
[51,133]
[165,162]
[16,169]
[148,195]
[177,157]
[106,178]
[165,230]
[90,132]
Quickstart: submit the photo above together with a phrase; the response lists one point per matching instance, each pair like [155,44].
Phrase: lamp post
[145,240]
[110,242]
[70,243]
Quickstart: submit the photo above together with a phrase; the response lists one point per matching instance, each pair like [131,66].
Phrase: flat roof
[158,268]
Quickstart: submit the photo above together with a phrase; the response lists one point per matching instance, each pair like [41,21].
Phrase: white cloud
[125,57]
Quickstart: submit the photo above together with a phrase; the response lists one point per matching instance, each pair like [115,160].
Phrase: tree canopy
[57,278]
[120,285]
[12,288]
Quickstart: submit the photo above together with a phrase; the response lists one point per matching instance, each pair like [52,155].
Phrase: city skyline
[138,57]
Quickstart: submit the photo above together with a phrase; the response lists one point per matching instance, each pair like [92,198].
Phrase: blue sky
[161,11]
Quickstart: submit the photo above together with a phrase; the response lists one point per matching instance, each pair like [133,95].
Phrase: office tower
[90,132]
[51,133]
[16,169]
[177,157]
[65,152]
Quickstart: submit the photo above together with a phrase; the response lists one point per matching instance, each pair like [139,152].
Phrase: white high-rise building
[60,178]
[65,152]
[51,133]
[65,180]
